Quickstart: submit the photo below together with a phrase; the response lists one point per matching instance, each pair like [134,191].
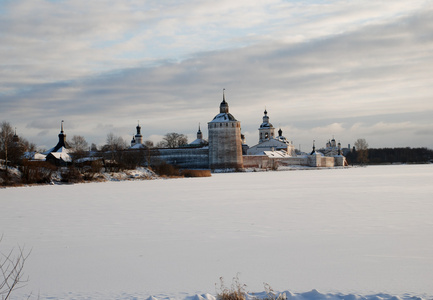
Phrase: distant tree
[133,158]
[114,143]
[93,147]
[30,147]
[361,147]
[161,144]
[16,151]
[6,142]
[12,148]
[79,146]
[148,144]
[114,150]
[400,155]
[173,140]
[150,152]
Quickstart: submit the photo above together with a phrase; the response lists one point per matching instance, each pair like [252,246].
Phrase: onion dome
[266,123]
[224,115]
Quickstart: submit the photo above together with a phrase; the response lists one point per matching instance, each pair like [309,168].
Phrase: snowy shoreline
[143,173]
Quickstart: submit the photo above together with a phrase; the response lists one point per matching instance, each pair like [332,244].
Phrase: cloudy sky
[349,69]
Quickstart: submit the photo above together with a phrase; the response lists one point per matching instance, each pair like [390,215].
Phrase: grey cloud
[48,123]
[43,133]
[373,74]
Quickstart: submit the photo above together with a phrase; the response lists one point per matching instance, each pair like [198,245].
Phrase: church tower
[138,136]
[15,138]
[199,133]
[266,130]
[62,140]
[225,144]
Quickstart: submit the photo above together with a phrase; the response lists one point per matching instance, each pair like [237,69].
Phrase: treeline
[391,155]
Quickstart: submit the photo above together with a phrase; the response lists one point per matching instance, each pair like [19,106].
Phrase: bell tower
[62,140]
[266,130]
[138,136]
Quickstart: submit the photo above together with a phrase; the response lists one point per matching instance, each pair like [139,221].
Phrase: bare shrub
[90,172]
[235,292]
[272,295]
[195,173]
[71,175]
[7,178]
[36,172]
[165,169]
[12,271]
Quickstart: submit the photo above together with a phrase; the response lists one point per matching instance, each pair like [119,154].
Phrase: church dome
[266,123]
[224,115]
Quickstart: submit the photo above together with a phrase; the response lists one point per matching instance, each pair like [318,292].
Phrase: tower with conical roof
[15,138]
[62,140]
[225,144]
[199,133]
[199,141]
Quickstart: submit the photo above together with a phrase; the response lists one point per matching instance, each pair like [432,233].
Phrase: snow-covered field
[355,231]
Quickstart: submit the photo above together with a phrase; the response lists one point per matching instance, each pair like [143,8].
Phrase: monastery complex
[226,148]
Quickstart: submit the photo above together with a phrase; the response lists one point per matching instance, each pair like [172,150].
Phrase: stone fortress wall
[194,158]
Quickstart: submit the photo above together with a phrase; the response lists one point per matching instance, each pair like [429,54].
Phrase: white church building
[268,142]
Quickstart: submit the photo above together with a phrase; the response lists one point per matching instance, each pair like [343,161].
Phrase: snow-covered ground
[355,231]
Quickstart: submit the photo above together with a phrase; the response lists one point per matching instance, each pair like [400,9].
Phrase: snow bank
[139,174]
[286,295]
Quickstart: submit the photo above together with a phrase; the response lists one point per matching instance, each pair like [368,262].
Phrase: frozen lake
[351,231]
